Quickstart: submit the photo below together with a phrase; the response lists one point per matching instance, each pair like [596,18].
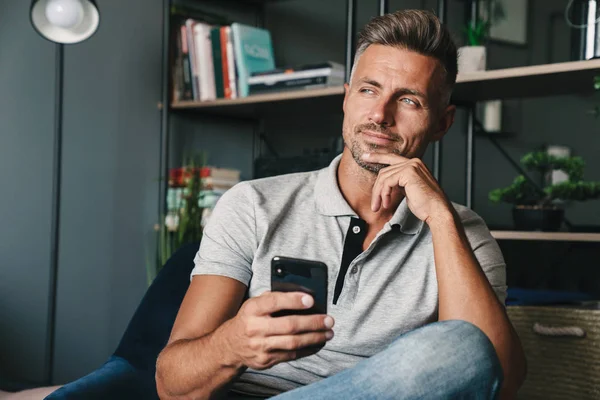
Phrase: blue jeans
[443,360]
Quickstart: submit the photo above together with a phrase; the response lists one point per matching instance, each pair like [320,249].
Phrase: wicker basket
[562,346]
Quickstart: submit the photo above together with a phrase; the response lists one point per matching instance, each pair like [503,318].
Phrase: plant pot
[533,218]
[471,59]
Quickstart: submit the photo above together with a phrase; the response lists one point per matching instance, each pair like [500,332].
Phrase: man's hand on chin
[424,196]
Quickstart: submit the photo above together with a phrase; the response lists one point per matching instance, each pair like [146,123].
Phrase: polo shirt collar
[330,201]
[328,196]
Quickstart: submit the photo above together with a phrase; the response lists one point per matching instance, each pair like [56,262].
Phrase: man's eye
[367,91]
[408,101]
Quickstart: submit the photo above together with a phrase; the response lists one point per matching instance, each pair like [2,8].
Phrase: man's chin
[371,167]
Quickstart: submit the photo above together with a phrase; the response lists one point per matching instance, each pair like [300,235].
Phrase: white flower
[172,222]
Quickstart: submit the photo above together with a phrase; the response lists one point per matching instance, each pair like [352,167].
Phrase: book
[189,25]
[220,173]
[204,61]
[225,62]
[232,70]
[215,38]
[305,77]
[297,84]
[253,53]
[186,68]
[305,71]
[210,183]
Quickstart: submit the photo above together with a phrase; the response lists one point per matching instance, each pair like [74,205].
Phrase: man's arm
[464,290]
[466,294]
[192,365]
[209,347]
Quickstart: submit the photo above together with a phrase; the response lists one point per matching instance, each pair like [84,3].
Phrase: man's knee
[448,356]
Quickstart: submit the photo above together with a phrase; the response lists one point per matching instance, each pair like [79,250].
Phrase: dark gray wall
[109,193]
[26,137]
[111,172]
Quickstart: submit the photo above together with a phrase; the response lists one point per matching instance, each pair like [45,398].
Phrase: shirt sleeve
[486,251]
[229,238]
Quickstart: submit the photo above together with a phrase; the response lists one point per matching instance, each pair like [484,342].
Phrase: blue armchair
[129,372]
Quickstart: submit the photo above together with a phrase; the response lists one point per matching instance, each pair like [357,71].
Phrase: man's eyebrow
[400,91]
[414,92]
[371,82]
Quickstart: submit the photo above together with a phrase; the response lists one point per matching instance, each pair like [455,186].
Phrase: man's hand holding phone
[261,340]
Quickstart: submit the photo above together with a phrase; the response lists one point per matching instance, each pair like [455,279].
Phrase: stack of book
[214,62]
[305,77]
[213,183]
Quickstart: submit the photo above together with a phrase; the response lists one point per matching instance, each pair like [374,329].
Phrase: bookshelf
[532,81]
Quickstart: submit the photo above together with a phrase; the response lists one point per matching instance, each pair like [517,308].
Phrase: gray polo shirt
[388,289]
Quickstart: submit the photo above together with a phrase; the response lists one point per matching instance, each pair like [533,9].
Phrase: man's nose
[382,112]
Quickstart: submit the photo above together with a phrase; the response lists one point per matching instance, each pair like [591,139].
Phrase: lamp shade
[65,21]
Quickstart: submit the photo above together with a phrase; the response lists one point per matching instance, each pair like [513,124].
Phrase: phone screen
[298,275]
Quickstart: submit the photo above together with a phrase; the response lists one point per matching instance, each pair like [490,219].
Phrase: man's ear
[445,121]
[346,91]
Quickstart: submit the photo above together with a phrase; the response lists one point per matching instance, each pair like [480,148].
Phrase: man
[417,284]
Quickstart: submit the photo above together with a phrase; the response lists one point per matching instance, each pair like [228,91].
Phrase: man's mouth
[378,138]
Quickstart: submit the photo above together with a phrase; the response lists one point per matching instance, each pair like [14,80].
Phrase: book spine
[215,38]
[294,84]
[177,67]
[189,24]
[204,60]
[225,62]
[187,89]
[242,82]
[310,73]
[231,65]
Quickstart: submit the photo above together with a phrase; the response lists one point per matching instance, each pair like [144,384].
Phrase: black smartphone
[298,275]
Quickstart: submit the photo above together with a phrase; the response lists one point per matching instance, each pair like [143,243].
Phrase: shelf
[318,100]
[534,81]
[548,236]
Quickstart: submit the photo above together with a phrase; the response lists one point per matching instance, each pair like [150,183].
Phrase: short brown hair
[416,30]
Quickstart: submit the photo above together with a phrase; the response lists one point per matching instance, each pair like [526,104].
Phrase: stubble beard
[357,150]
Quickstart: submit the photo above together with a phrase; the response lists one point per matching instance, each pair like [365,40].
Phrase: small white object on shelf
[471,59]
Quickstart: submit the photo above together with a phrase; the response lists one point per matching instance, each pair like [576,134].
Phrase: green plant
[182,225]
[523,192]
[477,31]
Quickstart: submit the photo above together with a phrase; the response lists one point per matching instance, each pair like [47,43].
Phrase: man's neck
[356,185]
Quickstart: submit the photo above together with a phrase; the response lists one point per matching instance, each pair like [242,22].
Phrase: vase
[471,59]
[536,218]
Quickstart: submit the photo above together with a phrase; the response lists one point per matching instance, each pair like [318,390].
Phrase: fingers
[269,359]
[298,324]
[396,176]
[270,302]
[297,342]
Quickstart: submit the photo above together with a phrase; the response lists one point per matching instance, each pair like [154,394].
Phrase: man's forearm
[196,368]
[465,294]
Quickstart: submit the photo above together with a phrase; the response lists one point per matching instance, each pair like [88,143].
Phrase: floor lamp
[61,22]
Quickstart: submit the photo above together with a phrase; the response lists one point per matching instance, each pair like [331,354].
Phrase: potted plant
[542,208]
[183,223]
[472,57]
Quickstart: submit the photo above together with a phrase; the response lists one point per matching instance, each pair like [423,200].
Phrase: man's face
[394,105]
